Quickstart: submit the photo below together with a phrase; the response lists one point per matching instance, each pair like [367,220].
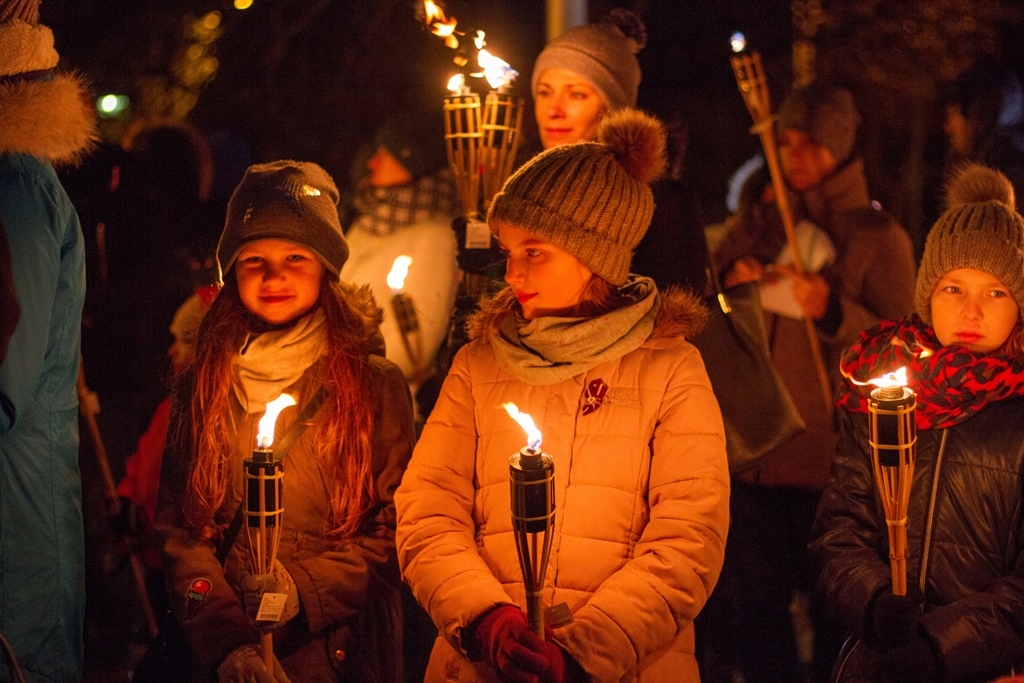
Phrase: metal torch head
[532,482]
[264,486]
[892,425]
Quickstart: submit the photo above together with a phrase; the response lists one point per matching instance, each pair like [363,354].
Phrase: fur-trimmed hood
[51,120]
[681,313]
[363,302]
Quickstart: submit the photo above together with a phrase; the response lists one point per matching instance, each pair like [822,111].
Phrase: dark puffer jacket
[966,517]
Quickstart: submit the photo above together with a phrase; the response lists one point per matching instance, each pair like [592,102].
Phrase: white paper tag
[478,235]
[271,607]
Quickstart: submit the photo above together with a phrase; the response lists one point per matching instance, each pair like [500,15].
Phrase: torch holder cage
[463,139]
[892,437]
[263,507]
[532,481]
[502,132]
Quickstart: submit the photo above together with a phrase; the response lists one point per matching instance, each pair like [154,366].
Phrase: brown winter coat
[641,492]
[350,625]
[873,275]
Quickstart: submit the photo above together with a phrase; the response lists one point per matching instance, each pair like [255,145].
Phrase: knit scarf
[272,361]
[384,210]
[951,383]
[549,350]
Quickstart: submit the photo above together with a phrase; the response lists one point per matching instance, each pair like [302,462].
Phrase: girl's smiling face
[547,280]
[278,280]
[973,309]
[567,108]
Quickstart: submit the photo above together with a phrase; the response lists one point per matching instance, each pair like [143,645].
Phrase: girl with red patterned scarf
[963,616]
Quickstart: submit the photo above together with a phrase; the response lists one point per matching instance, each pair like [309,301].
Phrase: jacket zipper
[923,575]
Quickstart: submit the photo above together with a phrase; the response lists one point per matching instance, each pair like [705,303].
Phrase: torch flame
[497,71]
[896,378]
[399,271]
[456,82]
[440,25]
[265,435]
[533,436]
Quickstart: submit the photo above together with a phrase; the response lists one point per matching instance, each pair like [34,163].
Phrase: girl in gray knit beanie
[629,422]
[964,362]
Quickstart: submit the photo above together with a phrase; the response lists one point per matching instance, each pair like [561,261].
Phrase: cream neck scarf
[549,350]
[272,361]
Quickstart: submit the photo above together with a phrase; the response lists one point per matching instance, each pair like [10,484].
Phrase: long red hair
[344,427]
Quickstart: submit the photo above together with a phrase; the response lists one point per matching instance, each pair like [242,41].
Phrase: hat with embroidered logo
[604,53]
[980,229]
[826,113]
[592,199]
[289,200]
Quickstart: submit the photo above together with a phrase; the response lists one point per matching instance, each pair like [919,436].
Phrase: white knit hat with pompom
[980,229]
[592,199]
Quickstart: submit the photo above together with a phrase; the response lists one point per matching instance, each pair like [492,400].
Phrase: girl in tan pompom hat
[599,359]
[964,359]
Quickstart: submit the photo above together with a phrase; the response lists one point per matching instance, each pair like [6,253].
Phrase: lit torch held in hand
[405,314]
[262,504]
[892,436]
[532,481]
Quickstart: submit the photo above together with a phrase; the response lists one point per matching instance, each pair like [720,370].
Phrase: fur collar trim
[682,313]
[52,120]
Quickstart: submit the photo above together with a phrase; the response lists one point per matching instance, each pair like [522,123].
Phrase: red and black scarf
[951,383]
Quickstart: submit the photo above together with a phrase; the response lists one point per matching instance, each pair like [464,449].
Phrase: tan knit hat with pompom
[592,199]
[980,229]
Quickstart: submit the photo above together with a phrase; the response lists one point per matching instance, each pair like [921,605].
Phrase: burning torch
[892,436]
[481,142]
[405,313]
[532,480]
[264,484]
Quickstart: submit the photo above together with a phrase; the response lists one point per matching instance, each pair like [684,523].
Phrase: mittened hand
[245,664]
[511,648]
[894,618]
[279,581]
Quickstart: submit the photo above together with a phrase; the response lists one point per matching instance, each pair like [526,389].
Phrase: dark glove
[245,664]
[563,668]
[914,662]
[278,581]
[514,651]
[894,618]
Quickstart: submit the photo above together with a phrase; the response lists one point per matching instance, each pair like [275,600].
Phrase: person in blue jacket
[44,117]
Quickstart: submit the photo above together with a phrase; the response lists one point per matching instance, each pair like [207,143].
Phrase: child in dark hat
[962,349]
[284,323]
[599,358]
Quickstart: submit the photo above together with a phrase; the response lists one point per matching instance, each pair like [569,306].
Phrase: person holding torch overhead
[284,323]
[962,617]
[598,358]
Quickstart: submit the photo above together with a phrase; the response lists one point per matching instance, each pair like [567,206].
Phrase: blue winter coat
[42,549]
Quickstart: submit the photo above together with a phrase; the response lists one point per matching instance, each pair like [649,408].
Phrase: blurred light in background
[109,106]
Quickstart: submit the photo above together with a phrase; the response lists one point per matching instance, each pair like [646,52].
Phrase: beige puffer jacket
[641,491]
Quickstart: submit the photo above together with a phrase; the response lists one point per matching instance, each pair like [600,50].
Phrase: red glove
[515,652]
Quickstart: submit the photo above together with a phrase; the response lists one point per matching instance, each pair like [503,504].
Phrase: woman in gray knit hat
[599,358]
[961,619]
[578,78]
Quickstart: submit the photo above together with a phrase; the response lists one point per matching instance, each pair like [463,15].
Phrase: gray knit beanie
[980,229]
[826,113]
[289,200]
[592,199]
[603,53]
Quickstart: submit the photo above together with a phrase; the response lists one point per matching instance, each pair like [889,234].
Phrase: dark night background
[311,79]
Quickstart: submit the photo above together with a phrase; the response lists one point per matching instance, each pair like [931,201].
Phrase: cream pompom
[638,142]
